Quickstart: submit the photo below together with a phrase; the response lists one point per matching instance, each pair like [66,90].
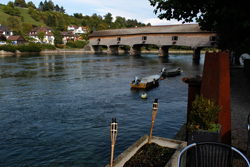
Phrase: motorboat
[171,72]
[145,82]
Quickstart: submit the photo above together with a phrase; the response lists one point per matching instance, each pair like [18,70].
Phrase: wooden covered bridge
[163,36]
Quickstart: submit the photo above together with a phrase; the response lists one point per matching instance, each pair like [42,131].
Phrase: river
[56,109]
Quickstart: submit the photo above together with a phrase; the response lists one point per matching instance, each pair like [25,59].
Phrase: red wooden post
[216,85]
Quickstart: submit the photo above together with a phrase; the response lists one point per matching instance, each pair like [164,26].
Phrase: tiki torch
[154,111]
[113,132]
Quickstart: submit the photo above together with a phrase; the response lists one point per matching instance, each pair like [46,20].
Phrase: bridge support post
[163,51]
[112,49]
[135,50]
[97,49]
[196,53]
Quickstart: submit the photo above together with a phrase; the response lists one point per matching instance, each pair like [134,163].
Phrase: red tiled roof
[38,29]
[16,38]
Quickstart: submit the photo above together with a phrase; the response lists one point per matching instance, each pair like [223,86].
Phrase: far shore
[76,51]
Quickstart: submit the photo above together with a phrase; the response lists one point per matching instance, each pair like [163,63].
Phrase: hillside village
[23,22]
[73,33]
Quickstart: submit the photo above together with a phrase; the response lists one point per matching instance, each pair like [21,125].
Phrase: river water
[56,109]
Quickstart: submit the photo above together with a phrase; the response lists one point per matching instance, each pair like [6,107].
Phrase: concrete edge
[165,142]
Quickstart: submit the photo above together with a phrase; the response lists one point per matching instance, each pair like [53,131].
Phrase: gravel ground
[240,107]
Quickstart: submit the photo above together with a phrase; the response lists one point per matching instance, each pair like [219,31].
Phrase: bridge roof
[181,28]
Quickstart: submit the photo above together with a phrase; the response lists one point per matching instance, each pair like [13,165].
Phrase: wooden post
[154,111]
[216,85]
[113,133]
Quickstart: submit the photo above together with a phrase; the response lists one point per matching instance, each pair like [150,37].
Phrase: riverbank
[83,51]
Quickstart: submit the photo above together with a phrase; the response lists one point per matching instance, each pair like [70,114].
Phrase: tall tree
[27,27]
[41,6]
[31,4]
[120,22]
[15,25]
[41,36]
[228,18]
[51,21]
[62,9]
[57,8]
[108,18]
[20,3]
[58,37]
[48,5]
[61,25]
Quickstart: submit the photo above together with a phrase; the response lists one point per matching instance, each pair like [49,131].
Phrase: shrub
[204,113]
[70,44]
[8,48]
[60,45]
[79,44]
[31,47]
[48,46]
[76,44]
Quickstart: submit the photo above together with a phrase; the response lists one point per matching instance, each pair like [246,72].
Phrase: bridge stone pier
[197,53]
[135,50]
[162,36]
[97,48]
[113,49]
[163,50]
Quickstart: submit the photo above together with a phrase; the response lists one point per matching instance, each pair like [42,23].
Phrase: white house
[77,29]
[5,31]
[48,36]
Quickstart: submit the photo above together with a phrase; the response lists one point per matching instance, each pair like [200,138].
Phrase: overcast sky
[130,9]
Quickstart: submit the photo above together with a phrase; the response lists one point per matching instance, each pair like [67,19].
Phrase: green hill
[24,14]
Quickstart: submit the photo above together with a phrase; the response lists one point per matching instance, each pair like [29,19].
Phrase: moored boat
[145,82]
[171,72]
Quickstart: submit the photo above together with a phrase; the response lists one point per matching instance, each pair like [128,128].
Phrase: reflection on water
[56,110]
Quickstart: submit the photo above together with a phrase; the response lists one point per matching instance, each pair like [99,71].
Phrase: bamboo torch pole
[113,132]
[154,111]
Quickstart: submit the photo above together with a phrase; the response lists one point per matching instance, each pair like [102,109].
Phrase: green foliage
[34,14]
[204,113]
[20,3]
[125,48]
[41,35]
[31,4]
[76,44]
[13,22]
[60,45]
[27,27]
[48,47]
[181,47]
[8,48]
[51,21]
[11,10]
[58,37]
[70,44]
[80,44]
[31,47]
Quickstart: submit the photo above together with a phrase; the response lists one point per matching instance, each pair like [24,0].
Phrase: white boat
[145,82]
